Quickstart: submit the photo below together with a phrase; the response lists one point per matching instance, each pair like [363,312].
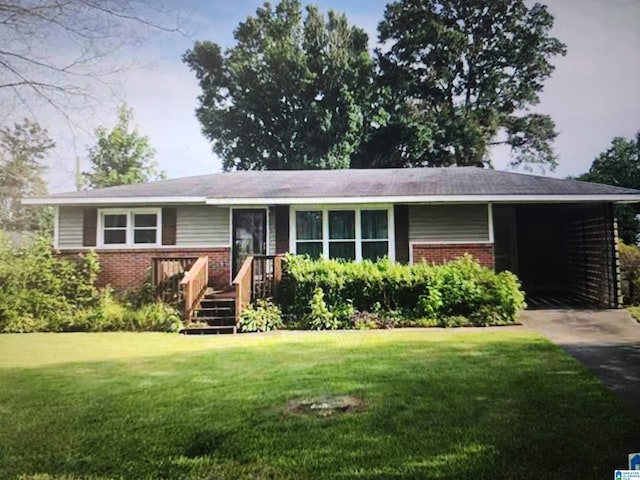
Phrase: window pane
[342,250]
[145,220]
[115,221]
[144,236]
[313,249]
[115,237]
[374,224]
[374,250]
[309,225]
[342,224]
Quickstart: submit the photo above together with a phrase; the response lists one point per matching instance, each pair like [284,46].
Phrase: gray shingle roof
[354,183]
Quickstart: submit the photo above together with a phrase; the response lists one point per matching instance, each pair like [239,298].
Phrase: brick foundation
[125,268]
[445,252]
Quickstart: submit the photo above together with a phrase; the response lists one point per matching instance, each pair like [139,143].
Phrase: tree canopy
[453,79]
[293,93]
[121,156]
[23,146]
[462,76]
[619,165]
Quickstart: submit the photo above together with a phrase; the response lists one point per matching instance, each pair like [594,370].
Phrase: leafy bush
[630,273]
[41,291]
[263,316]
[397,295]
[319,317]
[157,317]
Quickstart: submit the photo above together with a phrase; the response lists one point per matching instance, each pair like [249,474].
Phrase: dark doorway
[249,235]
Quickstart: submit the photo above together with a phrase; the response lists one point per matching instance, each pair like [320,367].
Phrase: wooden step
[217,321]
[222,310]
[209,330]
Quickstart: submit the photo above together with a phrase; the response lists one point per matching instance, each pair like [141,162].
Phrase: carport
[564,254]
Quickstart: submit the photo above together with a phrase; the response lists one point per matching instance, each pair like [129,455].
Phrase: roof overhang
[228,201]
[622,198]
[113,201]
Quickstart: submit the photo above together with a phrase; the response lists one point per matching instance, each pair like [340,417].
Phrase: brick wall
[444,252]
[123,268]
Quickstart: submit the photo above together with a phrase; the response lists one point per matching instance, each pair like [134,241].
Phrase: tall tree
[462,76]
[619,165]
[22,149]
[121,156]
[293,93]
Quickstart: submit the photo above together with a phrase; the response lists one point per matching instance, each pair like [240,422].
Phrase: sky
[593,96]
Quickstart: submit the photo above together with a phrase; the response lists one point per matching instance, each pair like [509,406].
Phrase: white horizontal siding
[70,227]
[449,223]
[202,226]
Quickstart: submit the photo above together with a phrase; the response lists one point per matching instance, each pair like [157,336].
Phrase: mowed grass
[437,404]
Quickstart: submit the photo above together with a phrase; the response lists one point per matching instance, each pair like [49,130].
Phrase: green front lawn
[436,404]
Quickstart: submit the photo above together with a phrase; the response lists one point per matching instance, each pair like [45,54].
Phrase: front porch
[184,283]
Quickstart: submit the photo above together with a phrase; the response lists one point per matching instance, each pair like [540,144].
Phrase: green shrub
[454,321]
[319,316]
[157,317]
[630,273]
[400,295]
[39,290]
[263,316]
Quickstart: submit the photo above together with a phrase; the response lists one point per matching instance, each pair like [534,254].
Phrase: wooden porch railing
[258,277]
[194,286]
[243,286]
[166,274]
[267,272]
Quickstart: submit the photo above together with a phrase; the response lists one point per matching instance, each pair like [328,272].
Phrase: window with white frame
[130,227]
[309,233]
[348,234]
[375,234]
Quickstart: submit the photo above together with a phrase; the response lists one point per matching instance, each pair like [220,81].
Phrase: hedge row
[432,294]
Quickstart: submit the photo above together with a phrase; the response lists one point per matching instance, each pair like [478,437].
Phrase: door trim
[231,242]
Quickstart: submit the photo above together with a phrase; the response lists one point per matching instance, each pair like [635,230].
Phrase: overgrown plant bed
[330,294]
[42,292]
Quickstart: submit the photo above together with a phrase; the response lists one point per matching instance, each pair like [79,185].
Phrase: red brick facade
[125,268]
[444,252]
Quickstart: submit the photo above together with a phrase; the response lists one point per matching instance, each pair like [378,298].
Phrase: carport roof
[456,184]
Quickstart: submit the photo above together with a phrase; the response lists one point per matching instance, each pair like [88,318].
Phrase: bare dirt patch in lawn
[325,406]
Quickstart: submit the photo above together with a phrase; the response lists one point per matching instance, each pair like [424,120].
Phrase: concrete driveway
[607,342]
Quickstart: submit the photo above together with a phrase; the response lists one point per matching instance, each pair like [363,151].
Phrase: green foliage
[459,77]
[263,316]
[22,149]
[144,295]
[38,288]
[397,295]
[40,291]
[630,273]
[319,316]
[293,93]
[619,166]
[121,155]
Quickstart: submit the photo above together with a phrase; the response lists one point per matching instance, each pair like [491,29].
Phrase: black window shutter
[169,217]
[401,220]
[282,228]
[89,227]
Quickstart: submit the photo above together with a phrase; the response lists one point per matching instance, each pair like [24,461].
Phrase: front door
[249,235]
